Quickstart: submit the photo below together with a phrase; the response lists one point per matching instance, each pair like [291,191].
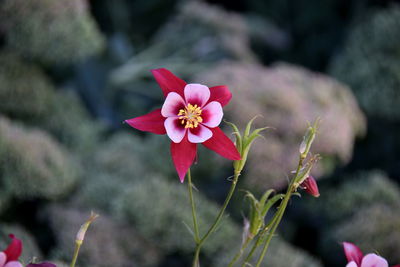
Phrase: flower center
[190,116]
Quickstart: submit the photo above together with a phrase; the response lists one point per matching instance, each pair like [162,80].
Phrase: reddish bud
[310,185]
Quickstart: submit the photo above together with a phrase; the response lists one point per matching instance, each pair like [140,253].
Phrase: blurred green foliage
[362,210]
[287,97]
[26,92]
[370,63]
[51,32]
[33,164]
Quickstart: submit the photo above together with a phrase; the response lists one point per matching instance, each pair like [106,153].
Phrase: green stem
[275,226]
[196,262]
[260,239]
[195,225]
[217,220]
[281,211]
[76,252]
[240,252]
[221,212]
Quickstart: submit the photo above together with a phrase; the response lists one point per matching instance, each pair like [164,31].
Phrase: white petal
[199,134]
[196,94]
[352,264]
[13,264]
[3,258]
[373,260]
[175,130]
[172,104]
[212,114]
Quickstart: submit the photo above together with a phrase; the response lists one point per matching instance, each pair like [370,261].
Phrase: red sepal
[353,253]
[14,249]
[220,94]
[221,144]
[152,122]
[168,81]
[183,155]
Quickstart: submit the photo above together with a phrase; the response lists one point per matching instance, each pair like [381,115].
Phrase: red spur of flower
[190,115]
[9,257]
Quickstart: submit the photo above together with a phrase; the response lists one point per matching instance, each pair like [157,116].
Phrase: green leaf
[270,203]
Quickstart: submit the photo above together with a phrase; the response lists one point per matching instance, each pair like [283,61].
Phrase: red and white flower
[356,258]
[190,115]
[9,257]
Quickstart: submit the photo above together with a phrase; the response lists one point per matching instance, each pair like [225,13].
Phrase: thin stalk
[195,225]
[221,212]
[240,252]
[274,227]
[281,211]
[260,239]
[196,262]
[76,252]
[217,220]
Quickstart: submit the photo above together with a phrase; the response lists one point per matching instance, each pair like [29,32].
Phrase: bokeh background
[72,70]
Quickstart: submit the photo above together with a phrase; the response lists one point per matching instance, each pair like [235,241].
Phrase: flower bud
[82,231]
[308,139]
[310,185]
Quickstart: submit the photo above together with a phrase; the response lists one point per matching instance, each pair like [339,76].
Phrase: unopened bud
[310,185]
[82,231]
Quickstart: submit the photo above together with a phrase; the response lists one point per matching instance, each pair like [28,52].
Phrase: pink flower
[310,185]
[356,258]
[190,115]
[9,257]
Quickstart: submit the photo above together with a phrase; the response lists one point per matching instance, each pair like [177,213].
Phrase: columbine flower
[191,114]
[356,258]
[310,185]
[9,257]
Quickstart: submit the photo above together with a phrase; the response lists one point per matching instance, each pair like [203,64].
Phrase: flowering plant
[190,115]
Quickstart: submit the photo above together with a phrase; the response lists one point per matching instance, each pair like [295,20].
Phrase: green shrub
[370,63]
[107,241]
[33,164]
[52,32]
[286,97]
[25,91]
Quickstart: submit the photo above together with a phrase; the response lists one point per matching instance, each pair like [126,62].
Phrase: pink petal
[172,104]
[175,130]
[351,264]
[212,114]
[199,134]
[14,250]
[168,81]
[220,94]
[352,252]
[373,260]
[13,264]
[196,94]
[3,258]
[221,144]
[152,122]
[183,155]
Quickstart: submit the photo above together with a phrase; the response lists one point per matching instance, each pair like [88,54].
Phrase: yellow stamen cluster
[190,115]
